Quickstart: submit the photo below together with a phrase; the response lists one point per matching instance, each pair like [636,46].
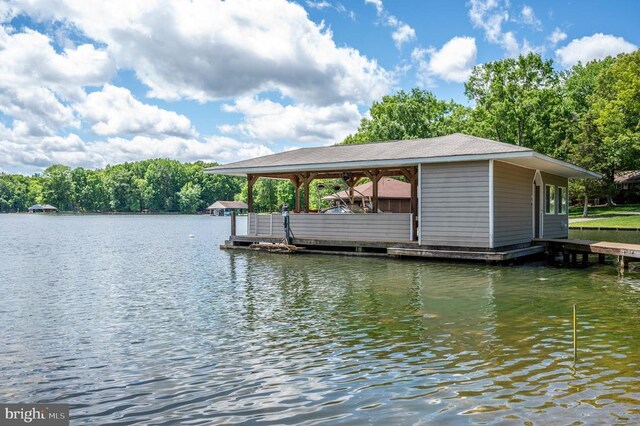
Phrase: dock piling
[575,336]
[233,223]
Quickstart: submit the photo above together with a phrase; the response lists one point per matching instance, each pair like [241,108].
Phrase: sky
[90,83]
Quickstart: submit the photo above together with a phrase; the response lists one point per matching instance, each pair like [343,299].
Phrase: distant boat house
[466,194]
[628,186]
[224,208]
[42,208]
[394,196]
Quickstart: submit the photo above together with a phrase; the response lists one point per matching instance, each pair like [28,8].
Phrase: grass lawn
[604,210]
[630,221]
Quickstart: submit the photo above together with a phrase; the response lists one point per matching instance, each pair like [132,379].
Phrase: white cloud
[35,111]
[589,48]
[27,59]
[114,111]
[269,121]
[207,50]
[318,4]
[73,151]
[490,15]
[37,84]
[402,33]
[377,4]
[453,62]
[486,15]
[528,17]
[557,36]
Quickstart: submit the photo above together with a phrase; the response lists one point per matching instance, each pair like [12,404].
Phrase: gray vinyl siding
[346,227]
[512,210]
[455,204]
[555,225]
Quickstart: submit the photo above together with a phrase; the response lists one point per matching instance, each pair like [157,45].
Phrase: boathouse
[39,208]
[468,195]
[224,208]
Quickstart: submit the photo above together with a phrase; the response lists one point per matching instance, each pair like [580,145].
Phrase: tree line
[588,115]
[158,185]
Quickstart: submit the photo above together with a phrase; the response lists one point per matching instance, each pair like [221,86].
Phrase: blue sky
[95,83]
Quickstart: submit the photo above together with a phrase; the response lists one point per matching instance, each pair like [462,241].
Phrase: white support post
[491,213]
[420,204]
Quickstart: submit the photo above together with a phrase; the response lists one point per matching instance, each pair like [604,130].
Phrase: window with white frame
[562,200]
[549,199]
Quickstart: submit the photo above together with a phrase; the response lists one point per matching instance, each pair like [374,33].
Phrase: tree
[123,192]
[516,100]
[57,187]
[189,198]
[615,111]
[583,143]
[417,114]
[165,178]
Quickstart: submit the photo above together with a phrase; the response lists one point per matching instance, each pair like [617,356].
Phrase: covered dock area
[470,199]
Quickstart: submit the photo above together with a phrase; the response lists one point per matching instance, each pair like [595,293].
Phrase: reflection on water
[130,321]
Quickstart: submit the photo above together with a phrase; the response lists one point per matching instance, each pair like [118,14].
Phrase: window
[550,199]
[562,200]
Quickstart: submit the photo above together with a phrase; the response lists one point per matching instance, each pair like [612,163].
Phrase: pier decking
[570,248]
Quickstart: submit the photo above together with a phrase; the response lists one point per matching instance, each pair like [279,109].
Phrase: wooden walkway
[488,256]
[569,248]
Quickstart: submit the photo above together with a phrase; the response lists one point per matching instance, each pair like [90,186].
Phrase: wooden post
[574,258]
[585,260]
[295,180]
[251,180]
[565,259]
[623,263]
[233,222]
[375,176]
[601,259]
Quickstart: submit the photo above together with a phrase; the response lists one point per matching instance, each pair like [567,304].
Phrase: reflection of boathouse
[468,195]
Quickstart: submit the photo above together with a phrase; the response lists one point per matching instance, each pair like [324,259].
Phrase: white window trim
[560,200]
[554,200]
[537,181]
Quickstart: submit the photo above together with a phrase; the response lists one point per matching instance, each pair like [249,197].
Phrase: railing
[347,227]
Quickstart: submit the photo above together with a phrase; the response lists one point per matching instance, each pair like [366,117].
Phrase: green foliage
[156,185]
[418,114]
[189,197]
[517,101]
[57,187]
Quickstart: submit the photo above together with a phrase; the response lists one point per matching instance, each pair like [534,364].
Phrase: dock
[396,249]
[570,248]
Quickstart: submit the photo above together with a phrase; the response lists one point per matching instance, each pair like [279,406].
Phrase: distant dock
[570,248]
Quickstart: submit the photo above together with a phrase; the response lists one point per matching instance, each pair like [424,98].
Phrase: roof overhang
[528,159]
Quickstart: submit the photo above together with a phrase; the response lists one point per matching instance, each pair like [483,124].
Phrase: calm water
[130,321]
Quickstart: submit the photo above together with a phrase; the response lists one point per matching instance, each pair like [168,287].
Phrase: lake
[129,320]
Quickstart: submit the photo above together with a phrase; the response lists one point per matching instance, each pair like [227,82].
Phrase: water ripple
[130,322]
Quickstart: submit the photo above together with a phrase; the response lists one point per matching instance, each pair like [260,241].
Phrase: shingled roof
[454,147]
